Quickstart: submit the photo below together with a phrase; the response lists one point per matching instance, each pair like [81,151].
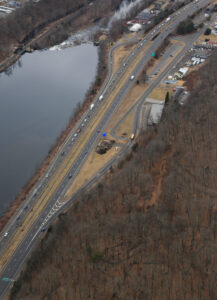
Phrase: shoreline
[59,141]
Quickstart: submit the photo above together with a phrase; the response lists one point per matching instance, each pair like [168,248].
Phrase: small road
[47,200]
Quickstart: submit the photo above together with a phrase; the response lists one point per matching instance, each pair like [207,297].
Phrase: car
[82,124]
[92,106]
[85,120]
[101,98]
[73,139]
[6,234]
[70,175]
[43,229]
[132,77]
[124,65]
[25,207]
[62,153]
[75,134]
[78,130]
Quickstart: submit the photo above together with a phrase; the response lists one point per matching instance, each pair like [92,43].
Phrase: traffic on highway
[47,198]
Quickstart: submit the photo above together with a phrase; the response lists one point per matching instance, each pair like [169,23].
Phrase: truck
[91,106]
[132,136]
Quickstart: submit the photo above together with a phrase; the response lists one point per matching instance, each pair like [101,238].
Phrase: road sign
[7,279]
[104,134]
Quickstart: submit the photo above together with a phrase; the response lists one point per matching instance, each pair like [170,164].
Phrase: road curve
[54,206]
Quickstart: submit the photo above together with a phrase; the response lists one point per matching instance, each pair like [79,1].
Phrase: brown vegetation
[148,231]
[192,80]
[24,24]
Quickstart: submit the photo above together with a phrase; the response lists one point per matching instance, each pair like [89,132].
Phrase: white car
[91,106]
[101,98]
[6,234]
[75,134]
[132,77]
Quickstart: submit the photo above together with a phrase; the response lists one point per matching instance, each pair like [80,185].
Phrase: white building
[136,27]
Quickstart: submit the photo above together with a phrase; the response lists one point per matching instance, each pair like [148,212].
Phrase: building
[155,113]
[144,17]
[178,92]
[136,27]
[183,71]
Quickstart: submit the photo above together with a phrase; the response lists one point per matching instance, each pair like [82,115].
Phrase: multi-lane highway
[47,199]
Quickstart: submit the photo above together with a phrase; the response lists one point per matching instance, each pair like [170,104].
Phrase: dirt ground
[159,93]
[92,166]
[126,126]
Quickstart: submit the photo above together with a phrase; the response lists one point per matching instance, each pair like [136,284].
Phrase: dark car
[25,207]
[70,175]
[43,229]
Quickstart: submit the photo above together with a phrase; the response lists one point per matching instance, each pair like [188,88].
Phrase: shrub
[97,256]
[207,31]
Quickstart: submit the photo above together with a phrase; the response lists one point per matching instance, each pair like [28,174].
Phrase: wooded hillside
[25,23]
[148,230]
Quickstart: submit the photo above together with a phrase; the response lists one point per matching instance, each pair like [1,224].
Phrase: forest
[25,23]
[147,230]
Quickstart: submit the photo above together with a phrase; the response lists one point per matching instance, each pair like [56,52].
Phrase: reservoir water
[36,102]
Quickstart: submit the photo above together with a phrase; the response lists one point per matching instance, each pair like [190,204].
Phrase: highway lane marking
[33,238]
[107,104]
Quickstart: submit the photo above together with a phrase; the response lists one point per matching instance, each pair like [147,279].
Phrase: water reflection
[35,105]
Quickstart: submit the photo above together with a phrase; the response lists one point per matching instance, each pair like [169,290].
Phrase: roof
[183,70]
[136,27]
[155,113]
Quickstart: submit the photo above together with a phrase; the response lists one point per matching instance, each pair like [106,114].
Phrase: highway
[47,199]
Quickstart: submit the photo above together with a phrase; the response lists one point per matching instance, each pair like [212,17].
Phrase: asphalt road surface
[12,262]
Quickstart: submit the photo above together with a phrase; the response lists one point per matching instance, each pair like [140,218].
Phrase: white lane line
[33,238]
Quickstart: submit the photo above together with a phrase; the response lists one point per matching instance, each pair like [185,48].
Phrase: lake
[36,103]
